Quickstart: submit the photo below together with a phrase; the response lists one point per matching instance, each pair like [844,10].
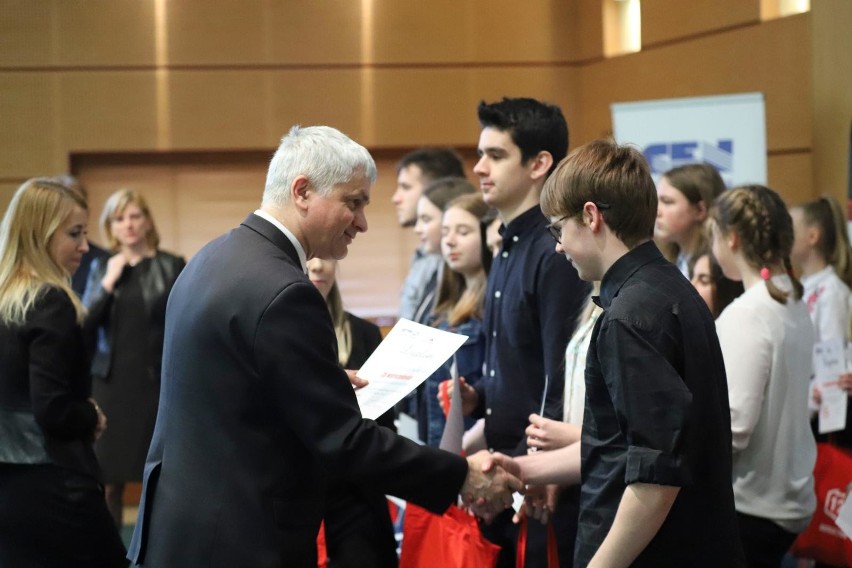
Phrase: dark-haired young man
[656,443]
[532,302]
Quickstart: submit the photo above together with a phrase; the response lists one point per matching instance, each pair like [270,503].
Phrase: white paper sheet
[844,517]
[829,360]
[407,356]
[829,364]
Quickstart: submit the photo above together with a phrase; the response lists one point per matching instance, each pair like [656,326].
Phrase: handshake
[490,484]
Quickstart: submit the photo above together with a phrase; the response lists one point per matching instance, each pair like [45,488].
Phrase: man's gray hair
[324,155]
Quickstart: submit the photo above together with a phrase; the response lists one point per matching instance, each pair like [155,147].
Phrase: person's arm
[653,402]
[318,406]
[546,434]
[560,466]
[640,514]
[747,351]
[54,355]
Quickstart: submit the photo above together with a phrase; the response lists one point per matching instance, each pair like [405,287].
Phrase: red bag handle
[552,551]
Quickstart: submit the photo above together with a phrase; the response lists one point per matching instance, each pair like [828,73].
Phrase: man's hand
[546,434]
[356,381]
[489,486]
[469,396]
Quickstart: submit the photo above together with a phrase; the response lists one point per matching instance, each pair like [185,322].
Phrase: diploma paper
[407,356]
[829,364]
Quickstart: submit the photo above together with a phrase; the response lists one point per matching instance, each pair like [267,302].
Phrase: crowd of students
[745,253]
[646,432]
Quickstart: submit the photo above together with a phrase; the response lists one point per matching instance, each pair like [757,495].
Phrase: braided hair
[760,218]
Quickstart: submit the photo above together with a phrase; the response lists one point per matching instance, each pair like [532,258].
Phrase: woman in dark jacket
[358,529]
[52,511]
[126,296]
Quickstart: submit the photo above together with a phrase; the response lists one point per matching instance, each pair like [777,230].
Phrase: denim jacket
[469,360]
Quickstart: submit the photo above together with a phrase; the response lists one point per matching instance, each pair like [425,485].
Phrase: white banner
[727,132]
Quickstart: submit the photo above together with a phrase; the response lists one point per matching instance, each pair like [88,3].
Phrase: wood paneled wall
[81,77]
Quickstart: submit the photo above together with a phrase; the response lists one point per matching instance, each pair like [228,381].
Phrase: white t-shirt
[575,370]
[828,298]
[767,347]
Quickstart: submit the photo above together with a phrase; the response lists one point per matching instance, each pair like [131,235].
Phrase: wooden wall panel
[109,110]
[585,30]
[831,61]
[219,109]
[791,175]
[208,33]
[29,136]
[7,190]
[27,35]
[777,65]
[104,32]
[41,33]
[666,20]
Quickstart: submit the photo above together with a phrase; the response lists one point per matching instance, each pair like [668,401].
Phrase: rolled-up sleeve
[650,399]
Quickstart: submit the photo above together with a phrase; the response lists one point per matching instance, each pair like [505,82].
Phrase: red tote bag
[451,540]
[823,541]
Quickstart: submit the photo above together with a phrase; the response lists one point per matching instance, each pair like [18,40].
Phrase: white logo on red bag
[834,499]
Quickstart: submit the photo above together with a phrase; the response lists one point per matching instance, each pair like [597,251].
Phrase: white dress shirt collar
[303,260]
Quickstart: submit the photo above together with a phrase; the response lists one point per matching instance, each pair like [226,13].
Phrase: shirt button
[515,238]
[505,253]
[487,412]
[494,333]
[492,372]
[497,294]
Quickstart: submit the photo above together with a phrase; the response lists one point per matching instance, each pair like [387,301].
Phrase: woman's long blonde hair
[36,211]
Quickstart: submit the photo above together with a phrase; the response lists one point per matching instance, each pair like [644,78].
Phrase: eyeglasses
[555,228]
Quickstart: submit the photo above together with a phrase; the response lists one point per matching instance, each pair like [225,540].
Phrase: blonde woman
[52,511]
[126,297]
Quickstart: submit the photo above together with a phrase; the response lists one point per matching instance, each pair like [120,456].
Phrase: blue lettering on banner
[663,156]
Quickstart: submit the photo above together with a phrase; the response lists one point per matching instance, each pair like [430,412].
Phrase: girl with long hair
[461,299]
[767,340]
[685,195]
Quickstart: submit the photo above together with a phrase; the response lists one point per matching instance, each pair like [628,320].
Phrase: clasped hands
[490,484]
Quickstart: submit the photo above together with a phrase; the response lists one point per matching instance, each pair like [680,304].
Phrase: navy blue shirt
[657,412]
[533,299]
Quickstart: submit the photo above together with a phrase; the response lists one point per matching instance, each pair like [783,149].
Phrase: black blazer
[157,282]
[255,411]
[45,415]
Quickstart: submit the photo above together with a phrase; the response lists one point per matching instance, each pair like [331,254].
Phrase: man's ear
[301,192]
[593,217]
[541,163]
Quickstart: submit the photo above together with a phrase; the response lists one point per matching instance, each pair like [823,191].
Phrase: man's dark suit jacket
[255,411]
